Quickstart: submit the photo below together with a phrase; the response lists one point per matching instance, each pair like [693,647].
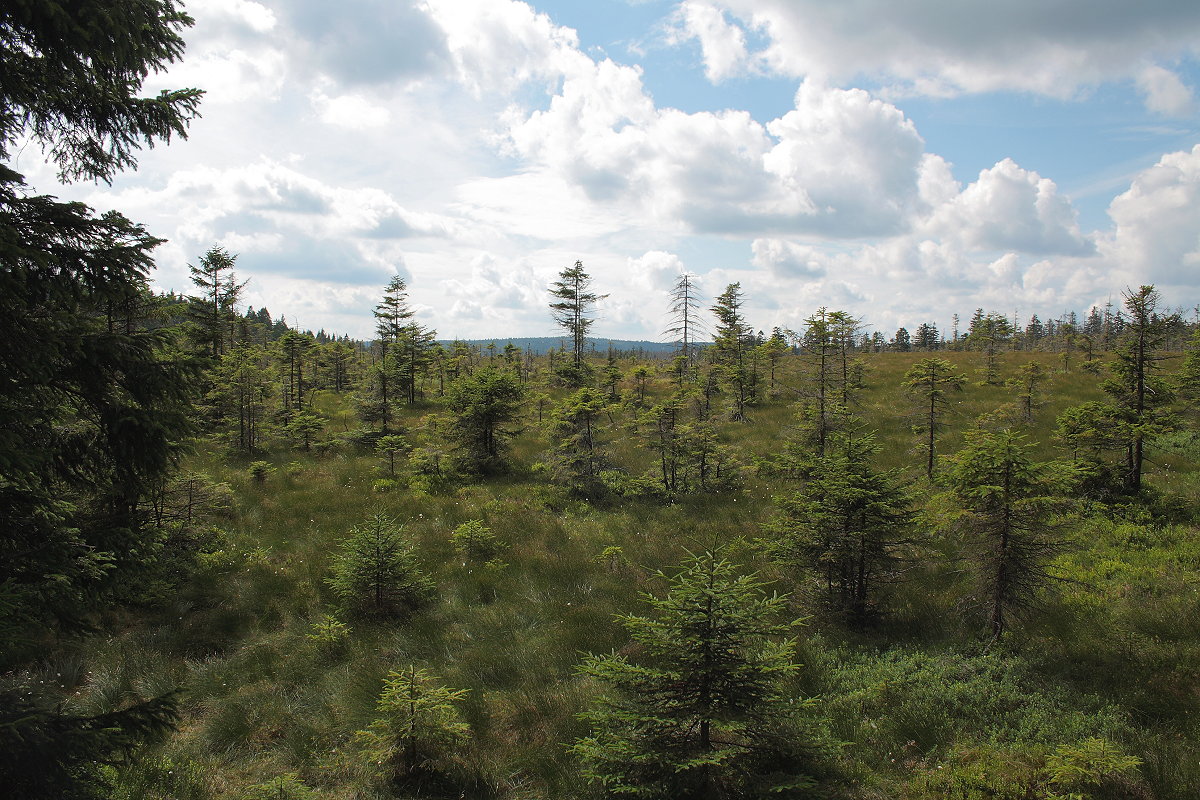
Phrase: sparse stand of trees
[97,404]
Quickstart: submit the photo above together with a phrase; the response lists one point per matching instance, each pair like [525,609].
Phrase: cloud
[655,270]
[942,49]
[1005,243]
[855,158]
[538,203]
[244,16]
[1010,208]
[312,258]
[1157,235]
[367,42]
[787,259]
[499,294]
[842,164]
[349,110]
[233,52]
[315,304]
[1165,92]
[282,221]
[490,150]
[722,44]
[498,46]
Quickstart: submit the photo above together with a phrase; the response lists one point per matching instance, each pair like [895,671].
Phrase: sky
[900,161]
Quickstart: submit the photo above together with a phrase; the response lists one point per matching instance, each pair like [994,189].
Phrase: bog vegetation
[239,560]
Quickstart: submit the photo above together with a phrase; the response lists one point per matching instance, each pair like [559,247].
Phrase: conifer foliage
[685,322]
[71,79]
[416,729]
[848,524]
[215,307]
[701,713]
[1139,393]
[730,350]
[573,309]
[405,349]
[930,381]
[378,569]
[1007,502]
[92,409]
[49,755]
[482,405]
[577,458]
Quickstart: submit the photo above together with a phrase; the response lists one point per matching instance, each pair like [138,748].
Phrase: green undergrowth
[1093,695]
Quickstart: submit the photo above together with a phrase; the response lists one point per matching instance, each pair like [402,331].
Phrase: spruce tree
[94,409]
[390,447]
[849,524]
[926,337]
[989,333]
[573,310]
[76,95]
[660,426]
[1028,383]
[291,349]
[50,755]
[640,375]
[392,315]
[702,711]
[242,393]
[730,350]
[1090,431]
[773,350]
[414,352]
[831,376]
[1187,381]
[684,321]
[416,731]
[482,405]
[930,381]
[1007,502]
[612,375]
[215,309]
[1140,396]
[377,569]
[576,457]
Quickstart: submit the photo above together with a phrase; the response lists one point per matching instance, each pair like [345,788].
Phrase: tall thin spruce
[574,307]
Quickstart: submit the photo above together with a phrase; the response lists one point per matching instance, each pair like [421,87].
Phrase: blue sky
[902,161]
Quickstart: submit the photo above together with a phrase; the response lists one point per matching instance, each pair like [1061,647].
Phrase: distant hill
[538,345]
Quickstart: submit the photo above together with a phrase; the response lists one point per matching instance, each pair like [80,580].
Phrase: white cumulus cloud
[1010,208]
[939,48]
[722,44]
[1157,234]
[1165,91]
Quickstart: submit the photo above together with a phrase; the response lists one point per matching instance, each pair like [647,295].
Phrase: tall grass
[263,698]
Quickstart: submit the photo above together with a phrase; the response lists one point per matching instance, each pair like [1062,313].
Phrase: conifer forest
[244,561]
